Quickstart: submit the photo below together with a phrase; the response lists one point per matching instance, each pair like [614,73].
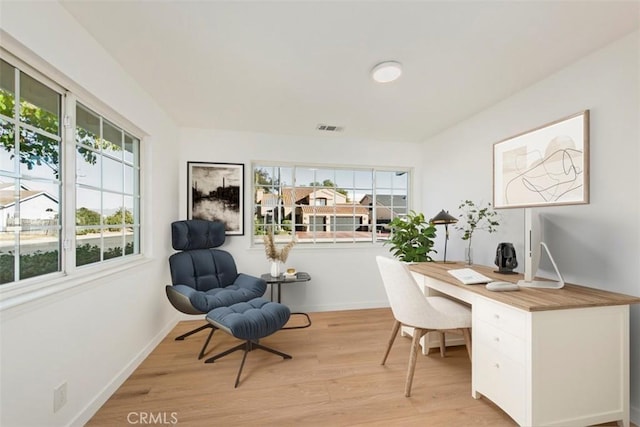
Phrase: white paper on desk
[468,276]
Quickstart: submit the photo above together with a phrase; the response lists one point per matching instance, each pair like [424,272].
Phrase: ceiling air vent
[329,128]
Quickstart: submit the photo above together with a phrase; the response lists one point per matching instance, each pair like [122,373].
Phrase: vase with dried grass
[275,255]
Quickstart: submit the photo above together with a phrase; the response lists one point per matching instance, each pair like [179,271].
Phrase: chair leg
[224,353]
[194,331]
[392,338]
[443,344]
[415,343]
[206,343]
[466,332]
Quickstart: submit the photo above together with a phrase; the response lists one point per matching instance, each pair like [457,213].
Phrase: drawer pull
[497,339]
[497,365]
[497,316]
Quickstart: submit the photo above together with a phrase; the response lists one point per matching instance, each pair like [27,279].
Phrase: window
[33,167]
[320,204]
[30,147]
[107,223]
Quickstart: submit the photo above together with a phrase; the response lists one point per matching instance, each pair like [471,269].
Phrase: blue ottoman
[249,321]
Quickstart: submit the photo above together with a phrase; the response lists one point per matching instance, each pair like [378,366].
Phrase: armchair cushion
[243,289]
[251,320]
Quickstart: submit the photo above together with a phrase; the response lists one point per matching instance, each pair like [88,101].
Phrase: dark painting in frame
[216,193]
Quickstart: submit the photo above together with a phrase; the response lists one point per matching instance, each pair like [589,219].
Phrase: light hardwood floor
[334,379]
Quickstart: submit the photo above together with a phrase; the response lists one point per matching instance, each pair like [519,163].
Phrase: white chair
[424,314]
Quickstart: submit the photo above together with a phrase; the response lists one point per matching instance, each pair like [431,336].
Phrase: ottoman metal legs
[247,346]
[249,321]
[201,328]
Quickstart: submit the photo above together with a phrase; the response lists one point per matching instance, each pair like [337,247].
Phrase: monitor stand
[548,284]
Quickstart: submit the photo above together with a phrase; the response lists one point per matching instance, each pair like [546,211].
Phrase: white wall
[344,278]
[90,336]
[598,244]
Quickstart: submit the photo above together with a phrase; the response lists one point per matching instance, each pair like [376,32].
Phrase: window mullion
[69,183]
[17,178]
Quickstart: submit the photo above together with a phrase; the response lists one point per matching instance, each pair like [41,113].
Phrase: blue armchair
[204,278]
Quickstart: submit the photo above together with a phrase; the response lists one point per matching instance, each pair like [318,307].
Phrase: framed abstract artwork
[216,193]
[545,166]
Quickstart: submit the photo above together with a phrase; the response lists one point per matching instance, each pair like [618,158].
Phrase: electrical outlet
[59,396]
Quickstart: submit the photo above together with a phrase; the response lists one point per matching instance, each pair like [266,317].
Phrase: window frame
[25,290]
[374,238]
[18,175]
[103,189]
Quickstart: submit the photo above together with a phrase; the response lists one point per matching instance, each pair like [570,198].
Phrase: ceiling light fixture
[386,72]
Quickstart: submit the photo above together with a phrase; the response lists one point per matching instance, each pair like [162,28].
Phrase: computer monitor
[534,247]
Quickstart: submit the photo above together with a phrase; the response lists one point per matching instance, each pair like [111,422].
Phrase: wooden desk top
[528,299]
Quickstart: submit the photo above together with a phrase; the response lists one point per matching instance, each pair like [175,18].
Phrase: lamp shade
[443,218]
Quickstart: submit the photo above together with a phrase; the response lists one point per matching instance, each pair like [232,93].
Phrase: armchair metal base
[247,346]
[196,330]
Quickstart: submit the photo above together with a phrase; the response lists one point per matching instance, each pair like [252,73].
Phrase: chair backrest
[193,234]
[199,265]
[408,303]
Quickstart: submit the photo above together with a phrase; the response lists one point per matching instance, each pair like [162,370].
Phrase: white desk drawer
[487,336]
[502,380]
[508,319]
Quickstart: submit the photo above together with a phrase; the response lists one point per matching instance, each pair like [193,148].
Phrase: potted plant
[411,238]
[475,218]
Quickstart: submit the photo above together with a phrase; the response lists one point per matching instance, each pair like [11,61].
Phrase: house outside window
[327,204]
[36,131]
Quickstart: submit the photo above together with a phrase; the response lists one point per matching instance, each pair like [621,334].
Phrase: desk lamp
[444,218]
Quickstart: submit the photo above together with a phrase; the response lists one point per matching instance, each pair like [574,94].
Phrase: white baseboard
[90,410]
[341,307]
